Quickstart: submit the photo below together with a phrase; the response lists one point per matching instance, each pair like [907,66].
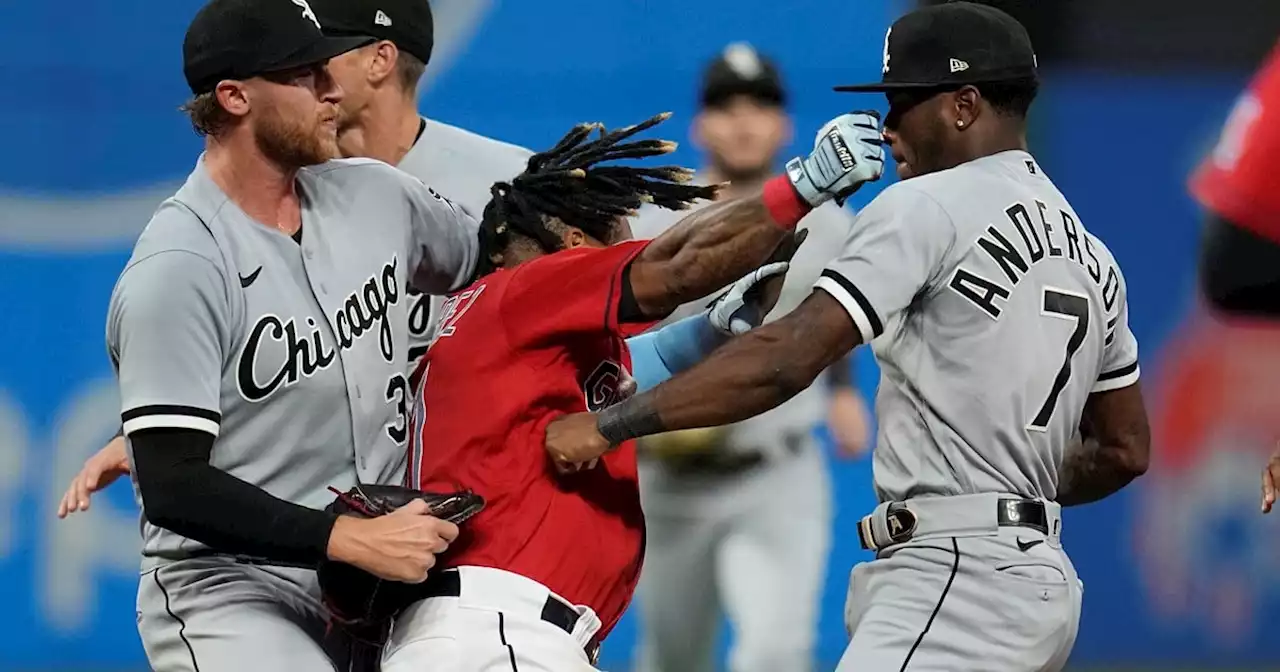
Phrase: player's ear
[381,65]
[965,108]
[574,237]
[233,96]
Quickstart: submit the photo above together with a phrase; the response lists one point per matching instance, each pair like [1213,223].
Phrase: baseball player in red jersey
[1240,258]
[547,569]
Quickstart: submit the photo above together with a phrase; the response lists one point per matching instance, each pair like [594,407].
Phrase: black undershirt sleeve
[628,309]
[183,493]
[1239,270]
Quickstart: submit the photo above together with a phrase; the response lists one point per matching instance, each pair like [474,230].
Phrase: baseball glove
[358,601]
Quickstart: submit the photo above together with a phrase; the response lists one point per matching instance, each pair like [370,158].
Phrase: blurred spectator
[717,540]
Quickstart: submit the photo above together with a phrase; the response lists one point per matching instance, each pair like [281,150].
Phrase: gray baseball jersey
[463,166]
[993,314]
[828,227]
[291,353]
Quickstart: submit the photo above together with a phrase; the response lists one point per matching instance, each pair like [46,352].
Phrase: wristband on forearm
[628,420]
[784,203]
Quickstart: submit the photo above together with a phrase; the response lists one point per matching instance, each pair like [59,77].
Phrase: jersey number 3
[398,394]
[1067,306]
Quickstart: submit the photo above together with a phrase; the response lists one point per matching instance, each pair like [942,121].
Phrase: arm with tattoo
[1114,449]
[716,245]
[712,247]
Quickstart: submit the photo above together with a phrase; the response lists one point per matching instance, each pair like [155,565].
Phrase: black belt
[449,584]
[1022,513]
[1010,512]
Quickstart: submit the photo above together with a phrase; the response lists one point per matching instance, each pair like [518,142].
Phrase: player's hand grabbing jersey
[514,351]
[1238,180]
[290,353]
[994,314]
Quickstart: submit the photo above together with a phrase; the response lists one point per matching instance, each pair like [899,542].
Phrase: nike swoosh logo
[246,280]
[1024,546]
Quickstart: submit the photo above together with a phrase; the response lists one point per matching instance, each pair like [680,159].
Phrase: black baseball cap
[239,39]
[405,23]
[740,70]
[953,44]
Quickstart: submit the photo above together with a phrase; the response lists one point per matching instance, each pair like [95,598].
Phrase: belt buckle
[900,522]
[593,652]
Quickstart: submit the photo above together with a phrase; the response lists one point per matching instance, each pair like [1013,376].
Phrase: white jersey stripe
[1120,378]
[850,305]
[171,422]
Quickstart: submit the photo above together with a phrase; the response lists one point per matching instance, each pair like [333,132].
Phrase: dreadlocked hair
[567,185]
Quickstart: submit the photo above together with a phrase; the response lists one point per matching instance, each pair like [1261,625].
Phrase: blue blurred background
[1180,571]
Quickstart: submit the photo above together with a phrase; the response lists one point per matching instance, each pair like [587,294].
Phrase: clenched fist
[400,546]
[848,152]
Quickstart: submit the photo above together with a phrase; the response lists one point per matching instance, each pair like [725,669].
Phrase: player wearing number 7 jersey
[1001,328]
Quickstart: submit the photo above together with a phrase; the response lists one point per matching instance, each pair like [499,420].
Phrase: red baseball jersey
[1238,180]
[513,352]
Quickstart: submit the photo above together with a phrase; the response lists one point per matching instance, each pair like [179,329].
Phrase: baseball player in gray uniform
[264,307]
[1009,380]
[710,494]
[377,118]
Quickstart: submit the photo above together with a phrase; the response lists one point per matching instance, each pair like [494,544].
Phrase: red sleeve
[1238,180]
[570,291]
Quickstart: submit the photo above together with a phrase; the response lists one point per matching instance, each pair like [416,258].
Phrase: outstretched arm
[657,355]
[717,244]
[748,376]
[753,373]
[897,248]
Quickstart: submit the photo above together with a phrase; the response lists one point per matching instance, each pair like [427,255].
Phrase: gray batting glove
[848,152]
[737,311]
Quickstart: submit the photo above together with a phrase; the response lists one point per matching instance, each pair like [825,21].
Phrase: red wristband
[784,203]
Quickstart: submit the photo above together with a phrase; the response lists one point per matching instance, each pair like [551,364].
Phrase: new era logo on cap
[952,44]
[381,18]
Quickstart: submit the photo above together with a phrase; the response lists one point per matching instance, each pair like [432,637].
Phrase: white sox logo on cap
[885,69]
[306,11]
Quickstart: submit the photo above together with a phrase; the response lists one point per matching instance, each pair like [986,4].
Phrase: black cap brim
[882,87]
[320,51]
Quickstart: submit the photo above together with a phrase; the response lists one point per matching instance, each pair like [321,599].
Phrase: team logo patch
[608,384]
[901,524]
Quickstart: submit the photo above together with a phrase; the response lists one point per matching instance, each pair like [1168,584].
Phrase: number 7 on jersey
[1062,304]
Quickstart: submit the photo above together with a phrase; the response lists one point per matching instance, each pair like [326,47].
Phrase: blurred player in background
[1240,257]
[378,119]
[716,538]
